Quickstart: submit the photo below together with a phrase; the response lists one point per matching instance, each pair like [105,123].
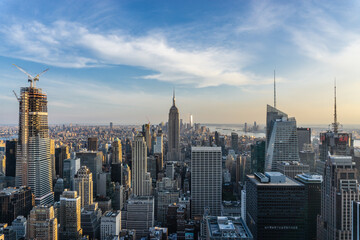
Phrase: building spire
[335,123]
[173,96]
[274,90]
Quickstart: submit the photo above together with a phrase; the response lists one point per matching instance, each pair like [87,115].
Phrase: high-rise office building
[139,168]
[272,114]
[116,172]
[339,188]
[304,137]
[174,153]
[92,144]
[313,189]
[71,166]
[281,216]
[15,202]
[42,223]
[110,224]
[61,154]
[93,160]
[258,156]
[10,154]
[90,221]
[282,141]
[336,143]
[166,193]
[70,216]
[206,180]
[33,165]
[292,168]
[235,142]
[159,145]
[84,186]
[139,215]
[116,151]
[118,197]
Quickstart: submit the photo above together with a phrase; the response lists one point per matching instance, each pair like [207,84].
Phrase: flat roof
[205,148]
[288,182]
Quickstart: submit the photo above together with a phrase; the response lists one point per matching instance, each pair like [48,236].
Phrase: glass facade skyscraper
[282,141]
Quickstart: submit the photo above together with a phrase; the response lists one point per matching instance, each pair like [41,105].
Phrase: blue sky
[119,60]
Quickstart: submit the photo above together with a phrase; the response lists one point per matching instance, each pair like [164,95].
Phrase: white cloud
[67,44]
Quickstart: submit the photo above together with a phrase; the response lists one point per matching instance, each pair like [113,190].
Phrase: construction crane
[31,79]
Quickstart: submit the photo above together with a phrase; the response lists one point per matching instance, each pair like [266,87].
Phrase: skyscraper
[339,188]
[93,160]
[42,223]
[235,142]
[61,154]
[275,206]
[10,157]
[33,165]
[71,166]
[15,202]
[70,216]
[84,186]
[206,180]
[282,142]
[174,133]
[139,215]
[304,137]
[139,167]
[258,156]
[116,151]
[313,189]
[333,141]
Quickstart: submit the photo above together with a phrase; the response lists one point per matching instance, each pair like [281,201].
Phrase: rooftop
[309,178]
[287,181]
[227,228]
[206,149]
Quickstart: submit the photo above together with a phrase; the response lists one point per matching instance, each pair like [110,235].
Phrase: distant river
[228,129]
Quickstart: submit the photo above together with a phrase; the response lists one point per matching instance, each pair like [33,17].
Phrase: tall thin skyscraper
[139,167]
[174,133]
[33,165]
[206,180]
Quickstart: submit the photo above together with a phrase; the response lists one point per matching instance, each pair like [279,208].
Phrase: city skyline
[120,64]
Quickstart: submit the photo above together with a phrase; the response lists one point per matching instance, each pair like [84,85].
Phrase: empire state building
[174,133]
